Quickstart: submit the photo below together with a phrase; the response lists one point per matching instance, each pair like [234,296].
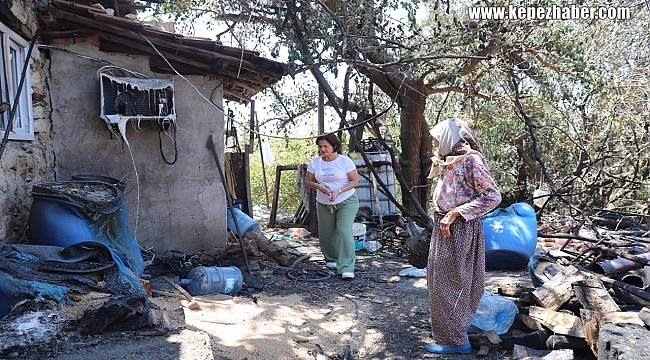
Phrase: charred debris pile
[592,292]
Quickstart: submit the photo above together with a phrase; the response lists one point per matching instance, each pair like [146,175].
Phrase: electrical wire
[161,128]
[220,109]
[309,275]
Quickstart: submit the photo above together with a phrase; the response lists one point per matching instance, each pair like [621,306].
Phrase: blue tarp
[50,272]
[73,225]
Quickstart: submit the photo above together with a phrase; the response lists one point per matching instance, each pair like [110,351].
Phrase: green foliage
[568,96]
[286,153]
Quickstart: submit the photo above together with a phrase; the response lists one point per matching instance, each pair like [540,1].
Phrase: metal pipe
[210,146]
[620,265]
[634,278]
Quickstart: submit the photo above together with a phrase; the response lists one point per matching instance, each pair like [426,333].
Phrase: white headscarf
[448,133]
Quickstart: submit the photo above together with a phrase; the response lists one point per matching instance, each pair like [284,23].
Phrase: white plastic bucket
[540,197]
[359,233]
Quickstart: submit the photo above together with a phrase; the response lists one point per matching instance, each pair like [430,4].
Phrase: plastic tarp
[50,272]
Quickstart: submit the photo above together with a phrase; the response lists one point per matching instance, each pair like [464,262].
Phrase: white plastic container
[359,233]
[365,190]
[540,197]
[495,312]
[206,280]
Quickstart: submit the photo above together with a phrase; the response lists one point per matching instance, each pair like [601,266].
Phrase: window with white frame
[14,53]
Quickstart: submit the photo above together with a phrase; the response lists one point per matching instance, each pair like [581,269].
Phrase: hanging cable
[164,127]
[372,118]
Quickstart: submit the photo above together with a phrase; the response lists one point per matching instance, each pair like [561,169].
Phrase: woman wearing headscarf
[465,192]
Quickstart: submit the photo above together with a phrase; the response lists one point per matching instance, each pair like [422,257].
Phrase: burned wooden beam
[556,342]
[558,290]
[593,296]
[631,289]
[521,352]
[558,322]
[275,252]
[591,324]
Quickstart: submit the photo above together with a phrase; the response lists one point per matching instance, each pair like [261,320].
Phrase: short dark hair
[333,140]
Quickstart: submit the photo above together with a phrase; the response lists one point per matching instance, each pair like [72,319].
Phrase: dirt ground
[377,315]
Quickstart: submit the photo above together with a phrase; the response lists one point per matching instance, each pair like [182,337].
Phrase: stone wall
[170,207]
[24,163]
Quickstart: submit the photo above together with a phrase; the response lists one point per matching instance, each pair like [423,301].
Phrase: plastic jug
[245,222]
[206,280]
[495,313]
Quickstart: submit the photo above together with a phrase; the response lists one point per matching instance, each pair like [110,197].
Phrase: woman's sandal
[437,349]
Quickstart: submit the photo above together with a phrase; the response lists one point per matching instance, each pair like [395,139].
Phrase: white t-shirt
[334,174]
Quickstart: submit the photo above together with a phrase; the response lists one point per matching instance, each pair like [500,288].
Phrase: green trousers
[335,232]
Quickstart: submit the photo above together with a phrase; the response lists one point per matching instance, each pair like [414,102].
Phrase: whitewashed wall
[24,163]
[170,207]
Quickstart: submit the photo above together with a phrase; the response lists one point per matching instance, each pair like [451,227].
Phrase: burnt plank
[593,295]
[591,324]
[523,353]
[555,342]
[559,323]
[555,292]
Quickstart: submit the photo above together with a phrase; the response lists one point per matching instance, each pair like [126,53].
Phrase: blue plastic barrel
[510,236]
[245,222]
[70,212]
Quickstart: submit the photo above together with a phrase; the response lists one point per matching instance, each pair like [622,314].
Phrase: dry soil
[377,315]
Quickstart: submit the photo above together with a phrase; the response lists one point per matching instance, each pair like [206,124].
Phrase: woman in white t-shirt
[335,176]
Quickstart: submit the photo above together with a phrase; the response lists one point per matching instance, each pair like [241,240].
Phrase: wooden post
[276,196]
[247,169]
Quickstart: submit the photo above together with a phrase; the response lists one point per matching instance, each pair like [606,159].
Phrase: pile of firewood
[564,314]
[579,307]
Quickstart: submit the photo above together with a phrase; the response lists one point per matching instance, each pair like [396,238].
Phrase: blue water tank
[510,236]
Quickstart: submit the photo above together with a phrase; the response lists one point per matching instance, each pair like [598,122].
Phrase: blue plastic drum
[70,212]
[510,236]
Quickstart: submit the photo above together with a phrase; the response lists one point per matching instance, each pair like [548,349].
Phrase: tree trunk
[416,146]
[356,132]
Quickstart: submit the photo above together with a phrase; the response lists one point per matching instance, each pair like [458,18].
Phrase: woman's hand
[310,181]
[334,194]
[447,220]
[324,188]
